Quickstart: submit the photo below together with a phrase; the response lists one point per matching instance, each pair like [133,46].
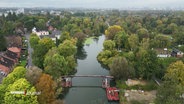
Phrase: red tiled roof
[14,49]
[4,69]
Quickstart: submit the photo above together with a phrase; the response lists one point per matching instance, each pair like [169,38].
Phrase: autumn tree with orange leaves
[47,88]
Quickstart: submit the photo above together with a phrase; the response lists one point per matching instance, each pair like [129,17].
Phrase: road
[30,50]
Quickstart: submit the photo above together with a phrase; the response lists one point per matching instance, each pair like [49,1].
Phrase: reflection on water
[81,54]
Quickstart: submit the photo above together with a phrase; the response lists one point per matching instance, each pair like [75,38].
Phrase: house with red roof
[15,50]
[8,59]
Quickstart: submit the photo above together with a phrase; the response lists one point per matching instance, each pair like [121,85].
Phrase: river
[88,90]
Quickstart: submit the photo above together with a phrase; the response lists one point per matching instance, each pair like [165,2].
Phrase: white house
[40,33]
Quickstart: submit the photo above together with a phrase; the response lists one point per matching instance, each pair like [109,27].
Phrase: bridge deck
[102,76]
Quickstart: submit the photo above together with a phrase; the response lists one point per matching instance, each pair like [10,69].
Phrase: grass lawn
[23,63]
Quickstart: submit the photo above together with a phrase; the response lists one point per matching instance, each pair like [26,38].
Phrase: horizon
[102,4]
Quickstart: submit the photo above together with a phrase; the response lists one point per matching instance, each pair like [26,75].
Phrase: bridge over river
[67,80]
[101,76]
[111,92]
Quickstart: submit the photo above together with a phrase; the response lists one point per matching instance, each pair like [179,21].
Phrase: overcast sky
[92,3]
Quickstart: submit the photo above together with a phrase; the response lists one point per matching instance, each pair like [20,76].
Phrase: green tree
[67,48]
[18,72]
[60,60]
[34,39]
[2,42]
[169,93]
[71,64]
[133,41]
[172,88]
[80,38]
[109,45]
[96,30]
[112,31]
[3,90]
[159,22]
[121,69]
[88,31]
[20,85]
[47,43]
[8,27]
[181,48]
[40,50]
[11,16]
[29,23]
[175,73]
[106,56]
[146,65]
[33,74]
[142,33]
[179,38]
[65,36]
[72,29]
[145,43]
[161,41]
[55,65]
[121,40]
[40,24]
[86,22]
[53,51]
[171,28]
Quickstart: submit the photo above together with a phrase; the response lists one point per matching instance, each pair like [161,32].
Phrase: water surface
[88,90]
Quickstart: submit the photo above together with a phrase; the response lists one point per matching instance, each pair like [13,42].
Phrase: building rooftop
[8,61]
[14,49]
[11,54]
[56,32]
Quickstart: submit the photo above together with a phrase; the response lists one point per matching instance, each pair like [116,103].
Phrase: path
[30,50]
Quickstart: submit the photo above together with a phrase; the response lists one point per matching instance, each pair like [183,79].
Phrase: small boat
[112,94]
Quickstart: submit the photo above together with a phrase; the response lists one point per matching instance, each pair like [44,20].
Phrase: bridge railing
[102,76]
